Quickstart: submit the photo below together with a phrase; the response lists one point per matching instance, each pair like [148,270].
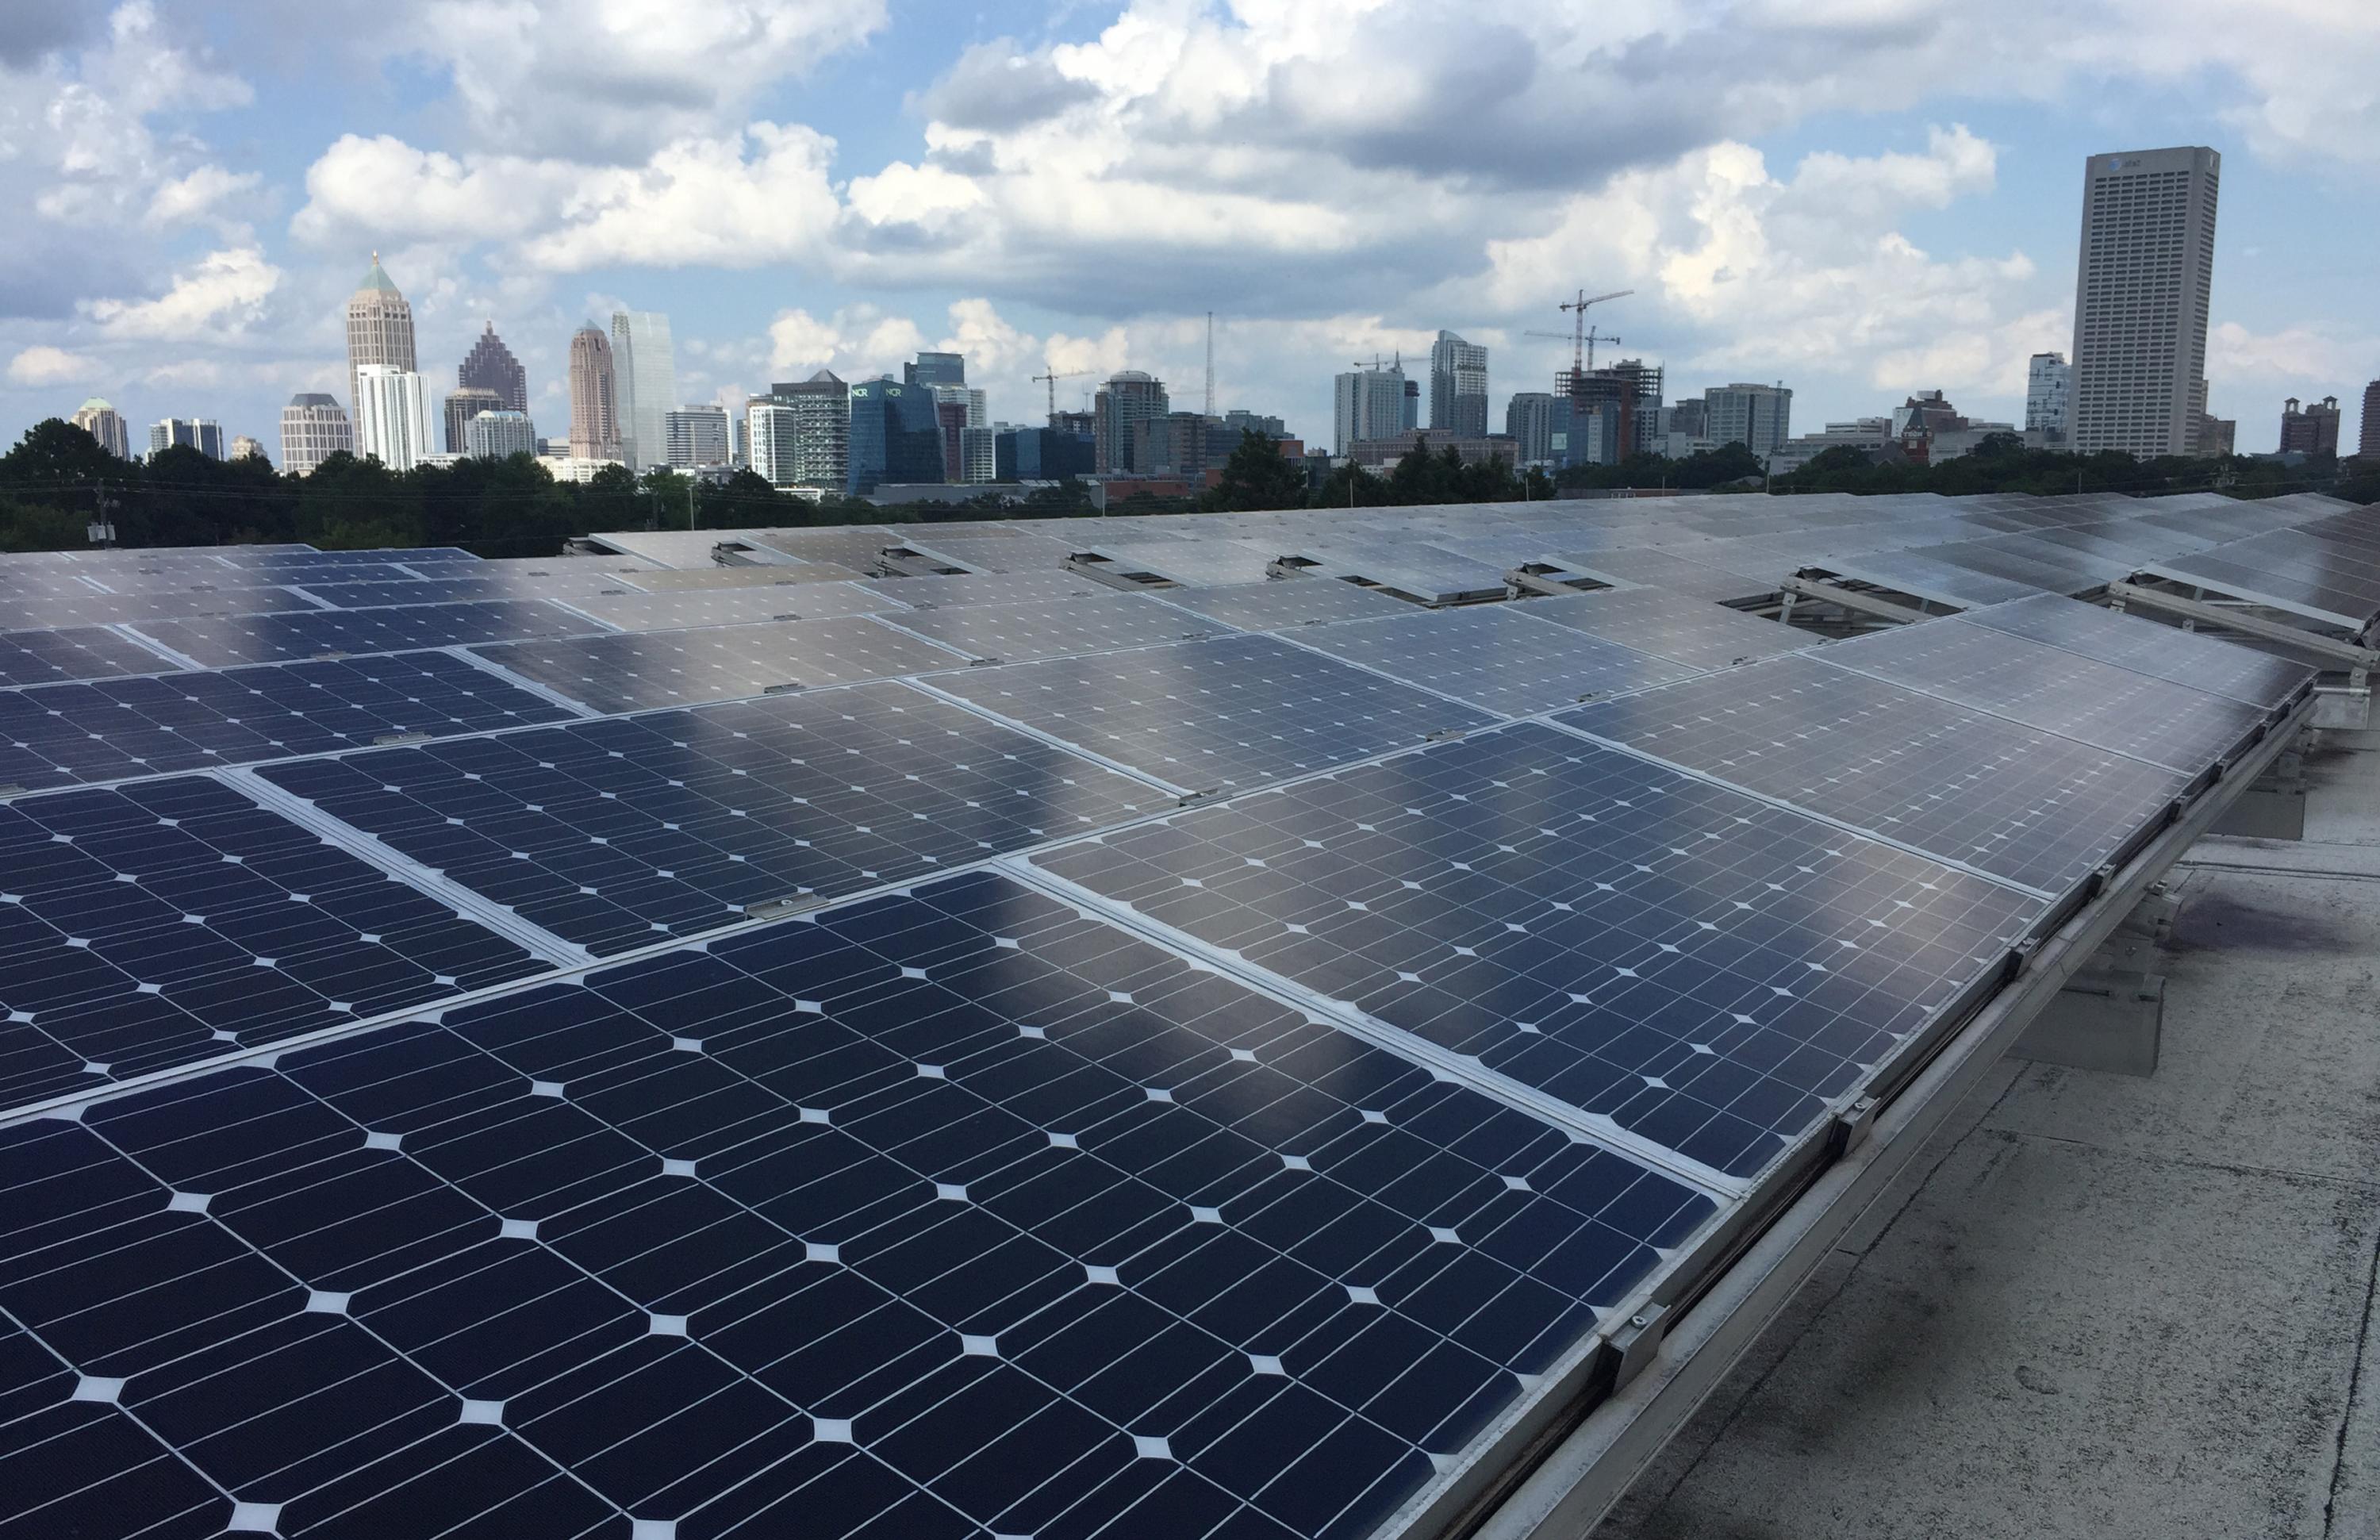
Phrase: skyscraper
[203,434]
[1129,396]
[2140,291]
[2314,431]
[895,435]
[936,368]
[594,413]
[1366,403]
[461,407]
[499,435]
[643,386]
[2049,397]
[393,416]
[1760,417]
[106,424]
[1529,422]
[313,428]
[2367,437]
[698,436]
[380,330]
[490,366]
[1458,386]
[243,447]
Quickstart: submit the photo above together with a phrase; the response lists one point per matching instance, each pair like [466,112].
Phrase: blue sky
[1861,198]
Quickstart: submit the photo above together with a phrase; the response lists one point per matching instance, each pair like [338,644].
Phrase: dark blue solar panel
[619,832]
[948,1216]
[114,728]
[641,670]
[78,652]
[227,640]
[173,921]
[1496,657]
[1704,968]
[92,607]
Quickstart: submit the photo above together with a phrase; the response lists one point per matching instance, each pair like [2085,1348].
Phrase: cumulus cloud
[44,365]
[197,195]
[219,297]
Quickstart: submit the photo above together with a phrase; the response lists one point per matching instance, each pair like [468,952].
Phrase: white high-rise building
[499,435]
[2049,397]
[698,436]
[2140,291]
[380,330]
[106,424]
[971,397]
[1366,403]
[1458,386]
[1760,417]
[979,454]
[773,432]
[644,375]
[393,416]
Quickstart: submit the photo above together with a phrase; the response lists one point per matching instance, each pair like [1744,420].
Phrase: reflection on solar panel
[1013,633]
[1496,657]
[219,643]
[1276,606]
[180,722]
[2040,686]
[1192,562]
[2146,647]
[176,920]
[79,652]
[632,672]
[665,611]
[619,832]
[1229,711]
[1926,578]
[88,608]
[1663,569]
[963,1215]
[468,589]
[283,559]
[2027,805]
[1704,968]
[1669,626]
[993,588]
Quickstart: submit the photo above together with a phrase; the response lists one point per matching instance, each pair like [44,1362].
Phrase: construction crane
[1580,358]
[1590,338]
[1051,380]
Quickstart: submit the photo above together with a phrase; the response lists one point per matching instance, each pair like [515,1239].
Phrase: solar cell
[1669,570]
[962,1215]
[1670,625]
[113,728]
[991,587]
[1227,711]
[1013,633]
[637,670]
[619,832]
[2042,687]
[77,652]
[1276,606]
[31,612]
[1496,657]
[668,611]
[2023,805]
[222,641]
[1702,968]
[175,920]
[1191,561]
[1927,579]
[471,587]
[2144,646]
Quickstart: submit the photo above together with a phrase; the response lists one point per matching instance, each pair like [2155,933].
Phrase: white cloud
[2301,355]
[196,195]
[221,296]
[44,365]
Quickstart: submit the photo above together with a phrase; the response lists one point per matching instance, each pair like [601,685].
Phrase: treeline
[2002,464]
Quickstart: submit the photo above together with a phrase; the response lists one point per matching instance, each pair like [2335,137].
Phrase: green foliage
[1255,478]
[1718,467]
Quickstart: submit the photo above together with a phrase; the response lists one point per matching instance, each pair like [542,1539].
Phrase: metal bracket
[1869,605]
[2346,655]
[1636,1342]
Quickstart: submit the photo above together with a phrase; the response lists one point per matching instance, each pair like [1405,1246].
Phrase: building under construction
[1615,411]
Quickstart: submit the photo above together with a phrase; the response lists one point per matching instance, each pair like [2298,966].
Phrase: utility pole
[102,529]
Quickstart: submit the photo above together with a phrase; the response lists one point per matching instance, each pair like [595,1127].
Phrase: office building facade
[2367,437]
[499,435]
[1760,417]
[1529,423]
[697,437]
[643,386]
[594,406]
[1129,397]
[1366,406]
[2049,397]
[203,434]
[393,417]
[1458,386]
[935,369]
[2141,285]
[380,330]
[461,407]
[895,435]
[106,424]
[313,428]
[490,366]
[2311,431]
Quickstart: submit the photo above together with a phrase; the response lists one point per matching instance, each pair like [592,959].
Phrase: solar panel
[77,652]
[173,921]
[624,831]
[1412,567]
[667,611]
[961,1215]
[991,587]
[1670,625]
[221,642]
[1278,605]
[1663,569]
[634,670]
[2027,805]
[1927,579]
[1705,969]
[30,613]
[1013,633]
[1228,711]
[283,560]
[1496,657]
[2042,687]
[2147,647]
[118,728]
[471,587]
[780,574]
[1191,561]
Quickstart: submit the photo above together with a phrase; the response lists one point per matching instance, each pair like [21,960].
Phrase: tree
[1256,477]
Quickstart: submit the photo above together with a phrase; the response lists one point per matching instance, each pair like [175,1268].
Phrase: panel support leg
[2274,808]
[2110,1015]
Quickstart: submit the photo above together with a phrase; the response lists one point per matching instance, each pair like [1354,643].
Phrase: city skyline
[860,187]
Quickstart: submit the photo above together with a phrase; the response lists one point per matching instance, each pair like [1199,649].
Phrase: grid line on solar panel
[152,609]
[1702,968]
[1494,657]
[1282,603]
[1993,795]
[987,588]
[624,831]
[1674,626]
[966,1213]
[75,654]
[2146,647]
[225,641]
[1020,632]
[700,607]
[636,671]
[175,921]
[118,729]
[1227,711]
[2040,686]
